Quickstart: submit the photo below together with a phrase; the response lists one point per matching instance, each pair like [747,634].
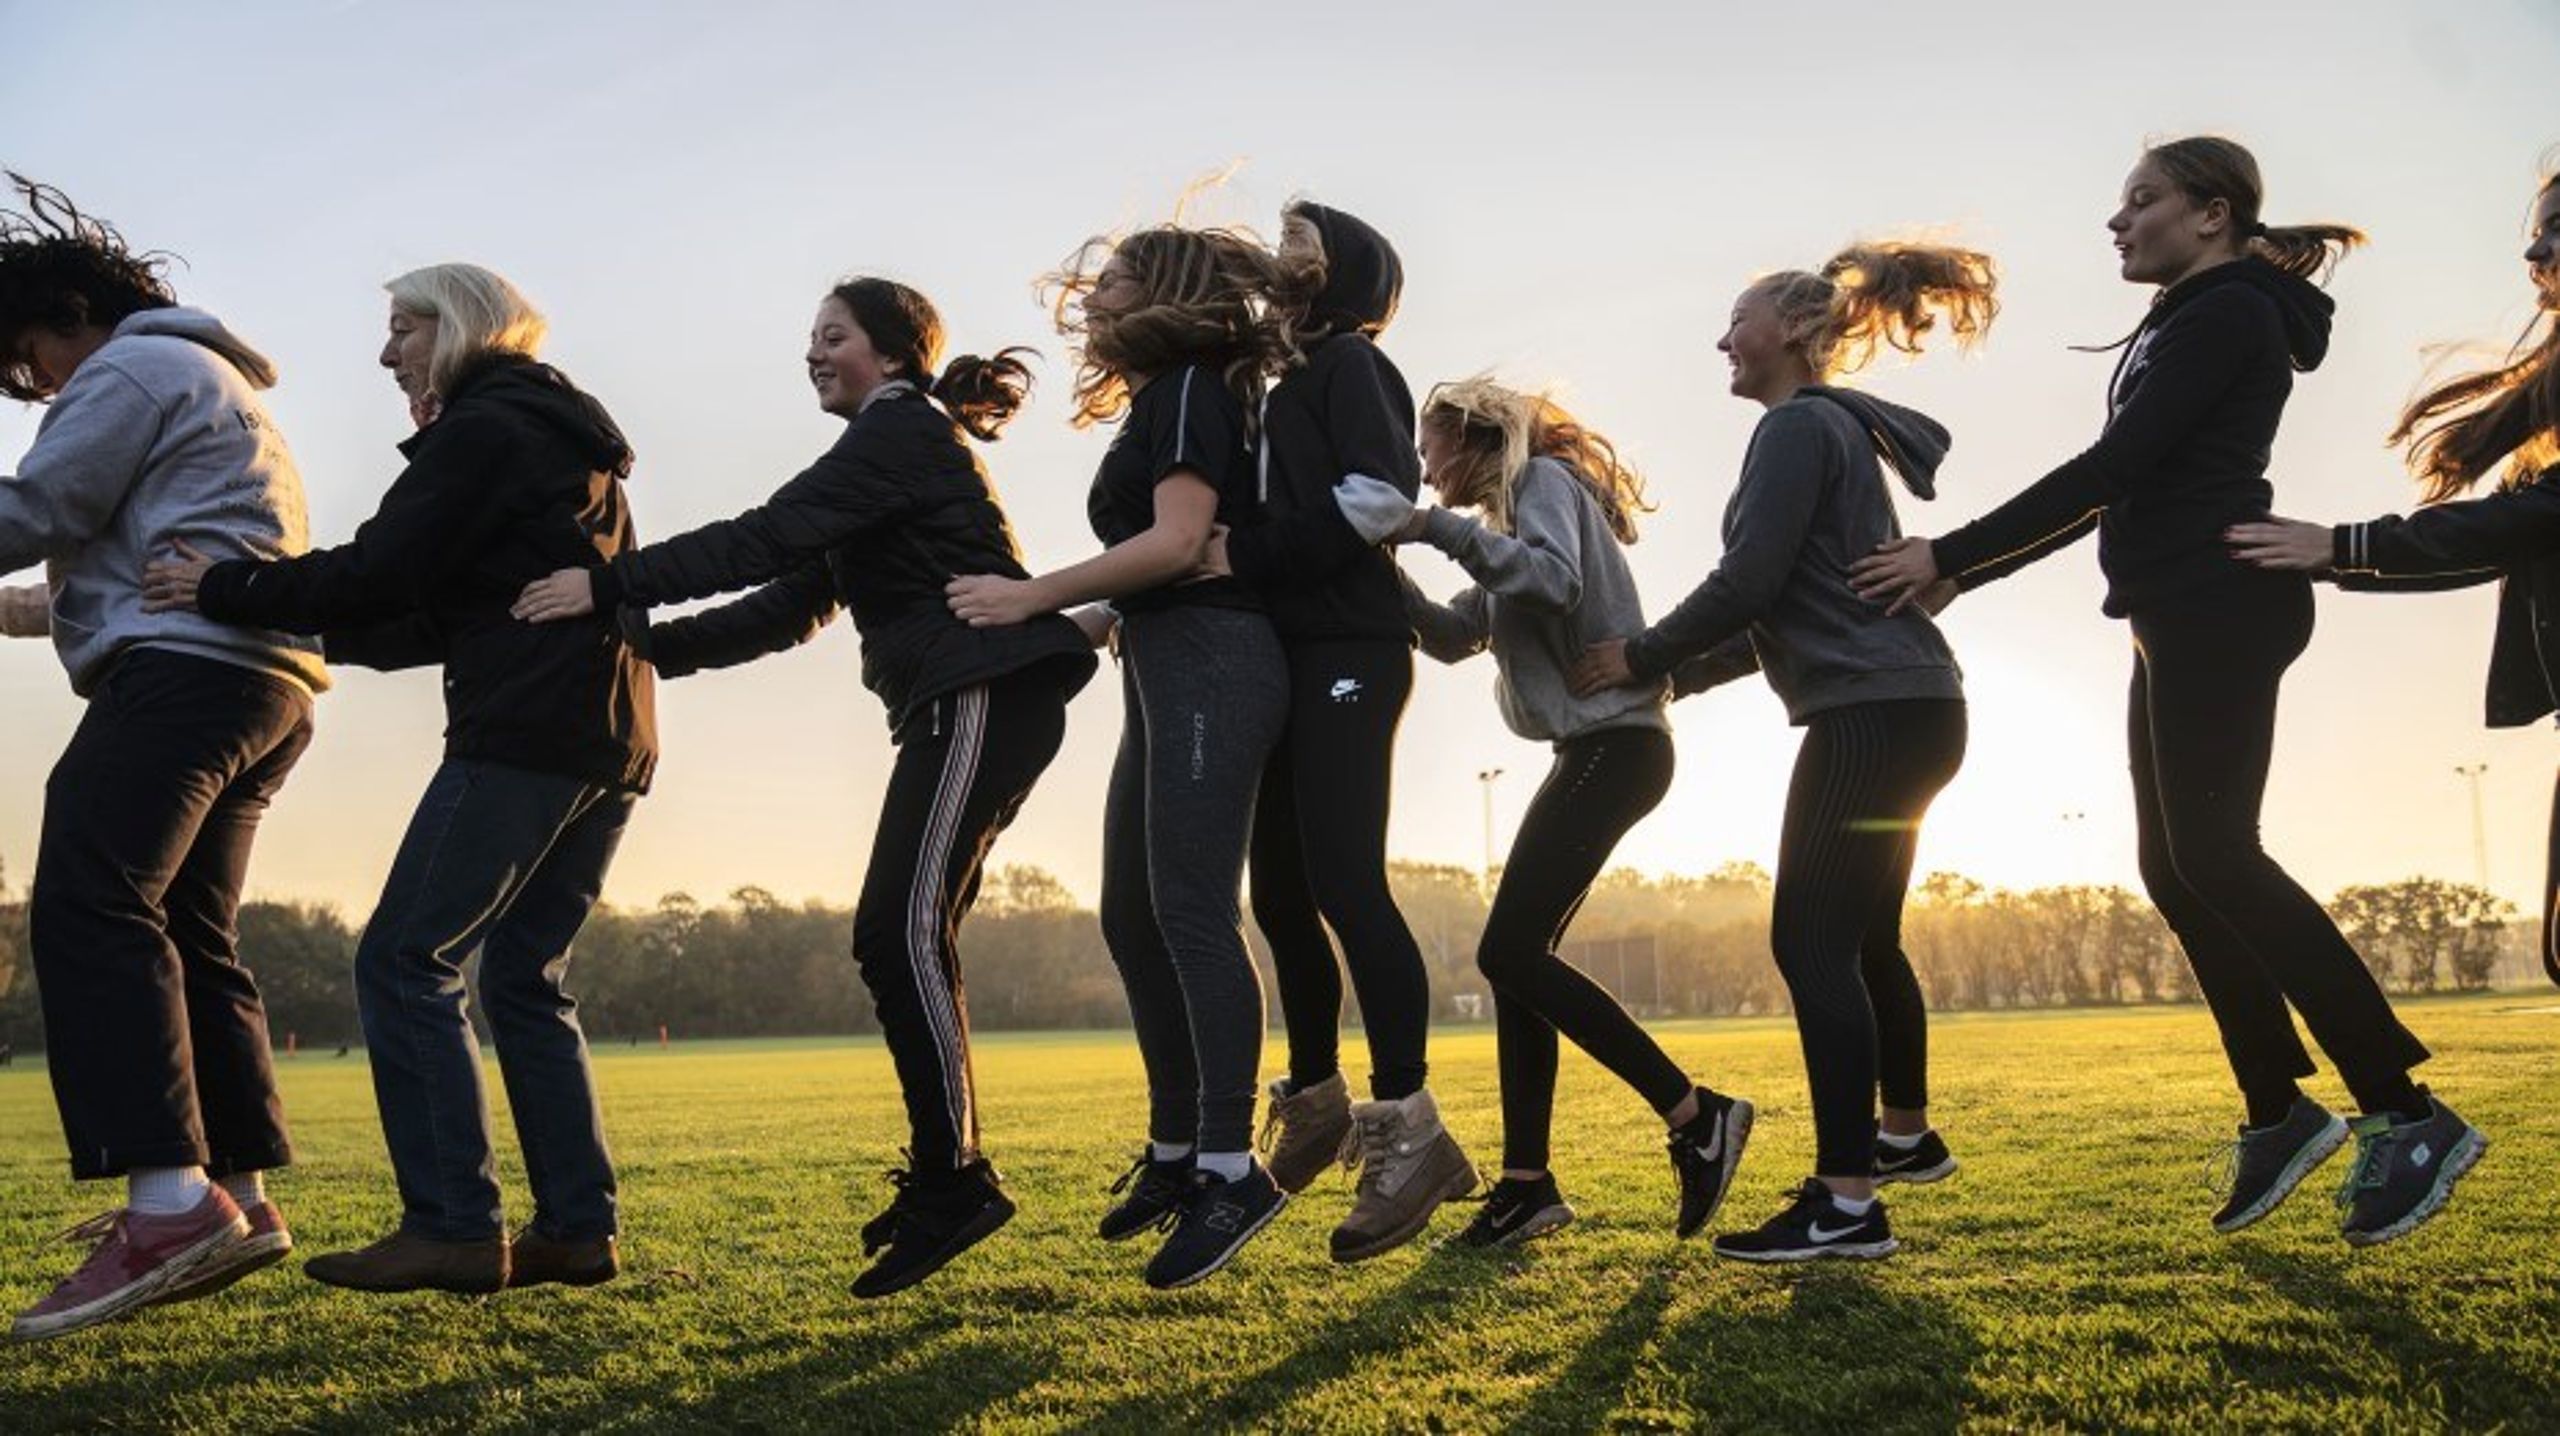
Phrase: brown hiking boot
[537,1260]
[1307,1131]
[403,1262]
[1409,1165]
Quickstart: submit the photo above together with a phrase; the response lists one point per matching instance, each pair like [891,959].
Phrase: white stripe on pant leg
[925,906]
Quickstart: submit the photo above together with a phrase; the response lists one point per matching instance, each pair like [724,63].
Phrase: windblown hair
[1297,279]
[1870,297]
[477,312]
[980,394]
[1498,430]
[2459,430]
[2206,168]
[64,270]
[1204,297]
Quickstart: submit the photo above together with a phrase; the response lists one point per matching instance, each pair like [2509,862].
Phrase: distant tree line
[755,966]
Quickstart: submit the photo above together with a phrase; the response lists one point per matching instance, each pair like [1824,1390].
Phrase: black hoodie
[1346,410]
[2191,418]
[520,476]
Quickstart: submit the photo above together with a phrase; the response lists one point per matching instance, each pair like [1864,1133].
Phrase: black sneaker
[936,1216]
[1705,1151]
[1811,1228]
[1154,1191]
[1218,1217]
[2265,1164]
[1926,1162]
[1517,1210]
[2404,1172]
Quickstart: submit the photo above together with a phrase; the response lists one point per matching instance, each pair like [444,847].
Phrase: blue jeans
[509,862]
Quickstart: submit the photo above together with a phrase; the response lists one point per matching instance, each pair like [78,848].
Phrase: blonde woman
[550,739]
[1552,505]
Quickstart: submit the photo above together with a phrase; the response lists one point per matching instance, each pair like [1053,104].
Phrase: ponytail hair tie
[2254,229]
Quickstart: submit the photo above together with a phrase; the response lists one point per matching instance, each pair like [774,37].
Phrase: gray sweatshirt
[158,436]
[1812,501]
[1557,583]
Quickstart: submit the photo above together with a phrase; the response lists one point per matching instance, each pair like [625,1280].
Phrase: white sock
[1901,1142]
[1228,1165]
[164,1191]
[1854,1206]
[247,1189]
[1168,1151]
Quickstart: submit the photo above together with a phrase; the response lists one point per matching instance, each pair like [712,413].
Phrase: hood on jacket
[545,395]
[1363,278]
[2305,308]
[1911,443]
[196,325]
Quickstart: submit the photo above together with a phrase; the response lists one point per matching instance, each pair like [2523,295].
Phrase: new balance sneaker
[935,1216]
[1924,1162]
[1150,1195]
[133,1257]
[1409,1165]
[1705,1152]
[1517,1210]
[2265,1164]
[264,1246]
[1305,1130]
[2404,1172]
[1217,1218]
[1813,1228]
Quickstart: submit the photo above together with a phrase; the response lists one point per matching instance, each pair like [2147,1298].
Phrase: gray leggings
[1206,693]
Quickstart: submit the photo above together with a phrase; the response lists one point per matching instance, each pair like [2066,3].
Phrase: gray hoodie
[158,436]
[1555,584]
[1811,502]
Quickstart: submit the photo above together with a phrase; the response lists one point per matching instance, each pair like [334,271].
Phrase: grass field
[2066,1278]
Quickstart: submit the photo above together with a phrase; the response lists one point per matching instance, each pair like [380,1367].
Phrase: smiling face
[408,350]
[843,367]
[2542,255]
[1440,458]
[2162,235]
[1755,347]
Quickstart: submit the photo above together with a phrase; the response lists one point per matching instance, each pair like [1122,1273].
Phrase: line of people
[1266,460]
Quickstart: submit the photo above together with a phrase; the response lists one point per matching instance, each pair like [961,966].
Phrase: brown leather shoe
[538,1259]
[403,1262]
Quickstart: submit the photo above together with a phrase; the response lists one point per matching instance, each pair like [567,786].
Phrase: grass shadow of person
[1839,1351]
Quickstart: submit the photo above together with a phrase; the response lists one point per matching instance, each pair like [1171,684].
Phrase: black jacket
[2512,536]
[521,475]
[2192,414]
[879,524]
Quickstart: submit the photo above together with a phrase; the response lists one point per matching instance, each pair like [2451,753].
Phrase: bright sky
[1577,193]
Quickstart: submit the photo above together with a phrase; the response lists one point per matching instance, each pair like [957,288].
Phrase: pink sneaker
[133,1257]
[266,1244]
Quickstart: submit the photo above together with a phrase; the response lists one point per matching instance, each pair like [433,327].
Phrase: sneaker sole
[1840,1251]
[1737,1137]
[2465,1155]
[1213,1268]
[985,1224]
[2320,1149]
[134,1295]
[1919,1176]
[253,1255]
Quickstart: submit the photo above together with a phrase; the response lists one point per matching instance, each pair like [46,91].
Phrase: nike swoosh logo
[1815,1231]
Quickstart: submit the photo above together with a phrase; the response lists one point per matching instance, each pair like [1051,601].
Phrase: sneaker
[1305,1130]
[1812,1228]
[536,1259]
[2405,1172]
[1409,1165]
[936,1216]
[403,1261]
[266,1244]
[1705,1152]
[1216,1219]
[1516,1210]
[1154,1197]
[1919,1165]
[133,1257]
[2263,1166]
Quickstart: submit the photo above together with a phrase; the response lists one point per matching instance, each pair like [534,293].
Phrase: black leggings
[2551,893]
[2202,733]
[1320,860]
[1864,778]
[1600,786]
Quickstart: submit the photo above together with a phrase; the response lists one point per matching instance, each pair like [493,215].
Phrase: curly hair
[64,270]
[1498,430]
[1204,297]
[1871,297]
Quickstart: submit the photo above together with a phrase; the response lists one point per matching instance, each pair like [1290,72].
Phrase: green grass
[2065,1279]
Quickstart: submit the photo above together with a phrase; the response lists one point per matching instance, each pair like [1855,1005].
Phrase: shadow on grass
[1588,1387]
[1842,1353]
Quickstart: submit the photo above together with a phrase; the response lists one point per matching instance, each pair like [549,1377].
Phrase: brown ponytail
[983,395]
[2459,430]
[1870,297]
[2206,168]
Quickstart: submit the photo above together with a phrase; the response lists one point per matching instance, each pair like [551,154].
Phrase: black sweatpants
[1600,785]
[961,775]
[155,1034]
[2202,726]
[1864,778]
[1320,861]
